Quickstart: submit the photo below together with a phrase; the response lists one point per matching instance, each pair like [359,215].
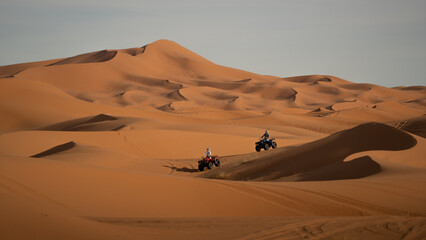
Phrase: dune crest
[135,51]
[11,70]
[55,149]
[101,122]
[95,57]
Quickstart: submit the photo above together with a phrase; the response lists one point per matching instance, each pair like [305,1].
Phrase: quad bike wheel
[201,167]
[266,147]
[274,145]
[257,148]
[217,163]
[210,165]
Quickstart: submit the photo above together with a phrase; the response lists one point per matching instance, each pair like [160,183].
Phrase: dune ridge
[11,70]
[101,122]
[95,57]
[135,51]
[55,149]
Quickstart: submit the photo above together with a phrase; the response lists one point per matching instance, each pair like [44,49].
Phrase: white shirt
[208,153]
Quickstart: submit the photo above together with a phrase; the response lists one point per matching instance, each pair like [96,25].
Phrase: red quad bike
[208,162]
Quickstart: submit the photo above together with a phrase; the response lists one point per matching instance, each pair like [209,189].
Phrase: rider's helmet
[208,149]
[266,131]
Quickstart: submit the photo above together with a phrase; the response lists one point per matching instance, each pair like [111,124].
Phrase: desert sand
[104,145]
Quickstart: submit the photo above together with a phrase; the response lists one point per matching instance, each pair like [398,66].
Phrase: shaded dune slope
[94,57]
[356,168]
[414,125]
[134,51]
[311,79]
[322,159]
[153,82]
[101,122]
[55,149]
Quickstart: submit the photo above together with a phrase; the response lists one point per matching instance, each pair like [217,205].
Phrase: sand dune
[322,159]
[104,145]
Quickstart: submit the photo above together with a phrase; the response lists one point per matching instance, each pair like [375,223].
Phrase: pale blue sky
[375,41]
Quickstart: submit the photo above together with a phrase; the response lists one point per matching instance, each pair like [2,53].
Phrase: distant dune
[105,145]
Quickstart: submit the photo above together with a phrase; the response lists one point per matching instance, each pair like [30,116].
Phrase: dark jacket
[265,136]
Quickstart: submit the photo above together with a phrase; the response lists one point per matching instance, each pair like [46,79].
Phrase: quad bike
[208,162]
[265,144]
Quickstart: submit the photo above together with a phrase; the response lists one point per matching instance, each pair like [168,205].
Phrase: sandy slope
[104,145]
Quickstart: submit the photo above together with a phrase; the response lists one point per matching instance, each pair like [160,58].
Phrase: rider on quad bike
[208,153]
[265,136]
[208,161]
[265,142]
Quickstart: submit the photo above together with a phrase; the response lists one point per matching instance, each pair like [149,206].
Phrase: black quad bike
[265,144]
[208,162]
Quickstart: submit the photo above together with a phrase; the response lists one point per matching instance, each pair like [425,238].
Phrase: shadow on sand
[184,169]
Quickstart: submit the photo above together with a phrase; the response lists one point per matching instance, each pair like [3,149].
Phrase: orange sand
[104,145]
